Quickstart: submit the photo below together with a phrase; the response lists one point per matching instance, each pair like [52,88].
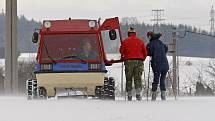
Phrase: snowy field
[183,109]
[190,68]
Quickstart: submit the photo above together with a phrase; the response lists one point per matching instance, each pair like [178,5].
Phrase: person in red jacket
[133,53]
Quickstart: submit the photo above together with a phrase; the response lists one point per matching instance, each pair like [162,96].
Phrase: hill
[195,43]
[190,41]
[25,30]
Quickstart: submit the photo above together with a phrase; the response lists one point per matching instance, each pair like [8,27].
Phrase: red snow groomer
[71,58]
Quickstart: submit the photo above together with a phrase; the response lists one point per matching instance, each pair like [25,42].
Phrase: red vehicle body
[77,26]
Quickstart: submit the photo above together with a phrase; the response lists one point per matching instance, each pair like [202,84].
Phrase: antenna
[212,20]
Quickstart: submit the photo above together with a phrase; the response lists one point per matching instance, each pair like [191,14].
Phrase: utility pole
[174,35]
[175,67]
[157,16]
[212,20]
[11,71]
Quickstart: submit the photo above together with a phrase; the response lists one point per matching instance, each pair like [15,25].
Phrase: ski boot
[163,95]
[138,97]
[154,95]
[129,96]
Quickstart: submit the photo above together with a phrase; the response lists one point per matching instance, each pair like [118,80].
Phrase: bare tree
[25,72]
[211,72]
[203,87]
[1,80]
[211,68]
[129,21]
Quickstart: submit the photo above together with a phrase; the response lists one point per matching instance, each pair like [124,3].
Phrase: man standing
[159,63]
[133,53]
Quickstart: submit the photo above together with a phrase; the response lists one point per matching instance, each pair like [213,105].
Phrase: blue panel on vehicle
[37,67]
[70,66]
[76,66]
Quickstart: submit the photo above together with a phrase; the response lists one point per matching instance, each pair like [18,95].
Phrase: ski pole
[147,92]
[122,80]
[173,89]
[144,80]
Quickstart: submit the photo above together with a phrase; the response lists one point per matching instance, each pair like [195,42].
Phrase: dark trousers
[159,76]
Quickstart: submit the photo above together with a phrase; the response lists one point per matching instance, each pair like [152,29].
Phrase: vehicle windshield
[70,47]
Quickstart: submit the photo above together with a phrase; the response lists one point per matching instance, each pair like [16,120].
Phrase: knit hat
[131,30]
[150,33]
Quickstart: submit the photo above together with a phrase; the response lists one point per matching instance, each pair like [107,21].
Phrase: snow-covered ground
[183,109]
[190,68]
[22,57]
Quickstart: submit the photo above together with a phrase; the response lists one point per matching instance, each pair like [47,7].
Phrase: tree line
[191,45]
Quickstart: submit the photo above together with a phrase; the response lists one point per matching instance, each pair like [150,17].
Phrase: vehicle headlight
[95,66]
[92,24]
[47,24]
[46,67]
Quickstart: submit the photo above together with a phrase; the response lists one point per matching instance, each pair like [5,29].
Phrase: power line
[185,33]
[157,16]
[185,18]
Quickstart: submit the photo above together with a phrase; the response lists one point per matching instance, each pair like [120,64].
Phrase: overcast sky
[192,12]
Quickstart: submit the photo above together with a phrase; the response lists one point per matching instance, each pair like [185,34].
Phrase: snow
[2,62]
[183,109]
[188,74]
[22,57]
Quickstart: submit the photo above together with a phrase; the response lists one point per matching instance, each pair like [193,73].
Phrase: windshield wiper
[73,56]
[47,52]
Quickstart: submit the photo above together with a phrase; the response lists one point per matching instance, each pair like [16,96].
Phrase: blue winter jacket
[157,50]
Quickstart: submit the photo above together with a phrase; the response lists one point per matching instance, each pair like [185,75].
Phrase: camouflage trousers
[133,71]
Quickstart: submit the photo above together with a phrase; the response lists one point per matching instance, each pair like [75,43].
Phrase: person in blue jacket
[157,51]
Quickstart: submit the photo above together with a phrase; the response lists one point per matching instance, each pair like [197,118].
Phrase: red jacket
[133,48]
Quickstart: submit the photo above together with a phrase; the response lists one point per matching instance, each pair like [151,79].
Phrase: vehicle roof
[69,25]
